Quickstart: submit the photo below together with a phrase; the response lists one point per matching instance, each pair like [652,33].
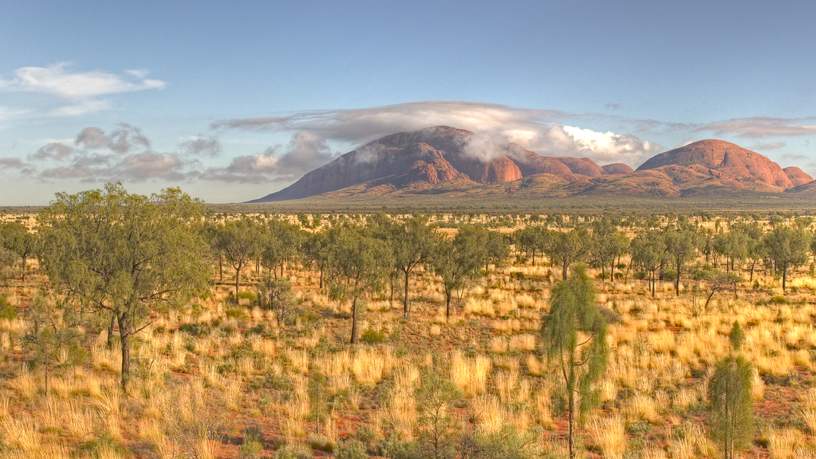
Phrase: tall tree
[574,333]
[316,252]
[680,244]
[411,243]
[359,264]
[127,254]
[648,250]
[787,247]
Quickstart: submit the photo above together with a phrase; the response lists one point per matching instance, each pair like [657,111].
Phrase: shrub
[371,336]
[252,445]
[351,449]
[7,310]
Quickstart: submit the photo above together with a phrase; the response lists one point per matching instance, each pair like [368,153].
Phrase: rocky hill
[444,159]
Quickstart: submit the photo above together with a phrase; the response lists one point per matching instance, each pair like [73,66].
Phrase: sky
[234,100]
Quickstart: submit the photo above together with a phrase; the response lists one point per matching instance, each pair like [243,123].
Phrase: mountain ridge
[444,159]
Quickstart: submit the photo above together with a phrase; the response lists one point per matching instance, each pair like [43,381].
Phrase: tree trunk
[354,320]
[571,422]
[405,297]
[751,278]
[220,268]
[237,282]
[45,367]
[564,268]
[124,345]
[23,271]
[708,299]
[784,278]
[677,281]
[321,278]
[110,331]
[391,289]
[447,303]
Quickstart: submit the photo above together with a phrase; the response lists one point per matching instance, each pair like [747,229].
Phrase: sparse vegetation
[498,355]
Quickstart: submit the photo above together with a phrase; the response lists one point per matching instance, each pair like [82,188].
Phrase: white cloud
[83,107]
[607,146]
[81,92]
[58,80]
[494,126]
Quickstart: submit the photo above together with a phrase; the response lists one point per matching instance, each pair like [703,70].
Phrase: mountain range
[442,159]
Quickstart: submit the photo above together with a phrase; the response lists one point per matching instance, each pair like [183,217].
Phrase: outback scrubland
[136,326]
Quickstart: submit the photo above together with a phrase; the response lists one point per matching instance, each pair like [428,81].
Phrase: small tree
[574,333]
[457,261]
[125,254]
[436,425]
[648,251]
[607,246]
[316,251]
[53,333]
[359,266]
[276,295]
[240,241]
[680,244]
[787,247]
[411,243]
[19,240]
[565,248]
[730,404]
[718,281]
[531,240]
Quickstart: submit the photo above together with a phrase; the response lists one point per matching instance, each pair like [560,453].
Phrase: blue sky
[234,100]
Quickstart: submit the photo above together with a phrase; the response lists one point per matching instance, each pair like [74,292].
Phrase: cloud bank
[543,131]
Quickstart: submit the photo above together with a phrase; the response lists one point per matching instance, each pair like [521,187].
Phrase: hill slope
[447,160]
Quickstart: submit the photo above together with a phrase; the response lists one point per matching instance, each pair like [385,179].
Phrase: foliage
[437,427]
[124,254]
[787,247]
[54,337]
[459,260]
[358,261]
[276,295]
[730,405]
[566,248]
[573,313]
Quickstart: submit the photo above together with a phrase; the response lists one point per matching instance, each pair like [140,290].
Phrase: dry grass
[194,395]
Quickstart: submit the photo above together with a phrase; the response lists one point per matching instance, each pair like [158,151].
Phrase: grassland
[218,379]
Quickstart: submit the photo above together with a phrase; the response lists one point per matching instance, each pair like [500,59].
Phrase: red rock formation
[445,158]
[617,168]
[797,176]
[724,160]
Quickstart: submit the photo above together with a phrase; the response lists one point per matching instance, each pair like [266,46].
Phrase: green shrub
[252,445]
[778,299]
[7,311]
[371,336]
[351,449]
[236,313]
[195,329]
